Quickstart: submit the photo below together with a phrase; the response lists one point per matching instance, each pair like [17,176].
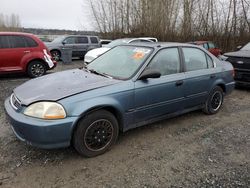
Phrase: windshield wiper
[99,73]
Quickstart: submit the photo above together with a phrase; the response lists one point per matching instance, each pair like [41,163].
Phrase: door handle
[212,76]
[179,83]
[27,51]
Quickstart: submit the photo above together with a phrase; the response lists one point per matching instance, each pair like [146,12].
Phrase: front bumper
[242,76]
[47,134]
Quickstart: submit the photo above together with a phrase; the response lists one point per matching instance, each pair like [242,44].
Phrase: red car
[23,52]
[210,46]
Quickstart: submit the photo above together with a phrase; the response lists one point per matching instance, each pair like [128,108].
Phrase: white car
[92,54]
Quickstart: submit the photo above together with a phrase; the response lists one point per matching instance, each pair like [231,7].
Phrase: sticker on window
[138,55]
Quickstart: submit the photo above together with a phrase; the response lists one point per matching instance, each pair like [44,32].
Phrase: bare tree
[225,22]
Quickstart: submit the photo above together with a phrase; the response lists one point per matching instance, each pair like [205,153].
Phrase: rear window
[94,40]
[4,43]
[30,42]
[82,40]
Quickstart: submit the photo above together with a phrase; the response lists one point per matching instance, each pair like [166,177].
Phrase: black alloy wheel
[95,133]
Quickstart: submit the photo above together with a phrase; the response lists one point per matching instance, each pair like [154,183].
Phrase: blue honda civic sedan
[127,87]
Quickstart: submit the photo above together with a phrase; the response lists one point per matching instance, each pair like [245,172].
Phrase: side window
[30,42]
[4,42]
[69,40]
[167,61]
[209,62]
[94,40]
[82,40]
[195,59]
[17,42]
[211,45]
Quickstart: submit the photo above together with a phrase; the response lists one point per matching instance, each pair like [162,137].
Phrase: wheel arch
[55,49]
[36,59]
[113,110]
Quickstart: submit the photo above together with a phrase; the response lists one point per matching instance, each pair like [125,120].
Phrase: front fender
[81,108]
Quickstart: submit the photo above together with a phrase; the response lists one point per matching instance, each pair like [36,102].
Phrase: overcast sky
[50,14]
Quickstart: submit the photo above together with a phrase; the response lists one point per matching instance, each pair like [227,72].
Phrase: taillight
[233,72]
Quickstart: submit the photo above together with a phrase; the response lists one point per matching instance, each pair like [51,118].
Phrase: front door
[12,54]
[160,96]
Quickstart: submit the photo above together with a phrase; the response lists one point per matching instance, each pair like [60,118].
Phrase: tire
[214,101]
[36,69]
[95,133]
[56,55]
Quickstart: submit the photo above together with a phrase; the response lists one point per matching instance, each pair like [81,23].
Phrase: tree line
[227,22]
[10,22]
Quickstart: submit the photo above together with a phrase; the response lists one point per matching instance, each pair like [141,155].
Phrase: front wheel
[95,133]
[214,101]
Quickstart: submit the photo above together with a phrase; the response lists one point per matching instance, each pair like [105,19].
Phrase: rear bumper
[229,87]
[47,134]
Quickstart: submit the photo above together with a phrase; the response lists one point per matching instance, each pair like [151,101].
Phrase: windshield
[120,62]
[246,47]
[58,39]
[117,42]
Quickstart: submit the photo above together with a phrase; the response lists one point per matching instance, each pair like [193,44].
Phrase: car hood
[59,85]
[240,53]
[96,52]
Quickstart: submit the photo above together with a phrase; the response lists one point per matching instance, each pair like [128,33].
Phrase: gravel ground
[193,150]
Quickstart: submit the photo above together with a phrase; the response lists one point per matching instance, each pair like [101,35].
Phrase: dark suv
[23,52]
[79,44]
[241,61]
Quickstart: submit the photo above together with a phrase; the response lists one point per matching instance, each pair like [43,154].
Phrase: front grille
[15,103]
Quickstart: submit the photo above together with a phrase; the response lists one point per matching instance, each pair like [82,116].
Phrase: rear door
[159,96]
[199,75]
[94,43]
[81,46]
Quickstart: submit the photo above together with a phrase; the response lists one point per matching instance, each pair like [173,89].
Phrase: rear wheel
[96,133]
[36,69]
[56,55]
[214,101]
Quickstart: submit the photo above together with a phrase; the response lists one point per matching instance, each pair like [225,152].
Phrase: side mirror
[63,42]
[150,73]
[238,47]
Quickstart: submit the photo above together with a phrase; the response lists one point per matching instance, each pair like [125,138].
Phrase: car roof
[16,33]
[200,42]
[160,44]
[77,36]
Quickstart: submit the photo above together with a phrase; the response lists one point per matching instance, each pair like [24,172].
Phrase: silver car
[80,45]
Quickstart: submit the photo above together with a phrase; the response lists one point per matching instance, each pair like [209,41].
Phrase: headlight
[46,110]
